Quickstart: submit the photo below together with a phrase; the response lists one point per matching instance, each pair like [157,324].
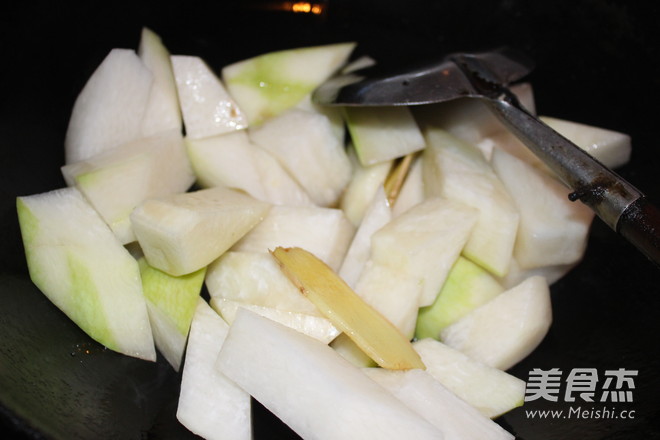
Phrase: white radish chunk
[310,387]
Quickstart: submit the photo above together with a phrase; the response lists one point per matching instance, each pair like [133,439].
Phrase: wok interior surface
[596,63]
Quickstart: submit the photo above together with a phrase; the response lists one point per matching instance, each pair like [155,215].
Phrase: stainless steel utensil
[486,76]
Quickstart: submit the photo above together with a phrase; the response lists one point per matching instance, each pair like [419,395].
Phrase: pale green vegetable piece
[311,388]
[506,329]
[325,232]
[307,146]
[492,391]
[360,191]
[255,278]
[468,286]
[381,134]
[377,215]
[610,147]
[268,84]
[210,404]
[457,170]
[424,242]
[78,263]
[553,230]
[118,180]
[182,233]
[312,325]
[163,112]
[206,106]
[457,419]
[171,302]
[110,107]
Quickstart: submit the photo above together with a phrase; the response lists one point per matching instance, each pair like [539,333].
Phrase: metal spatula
[486,76]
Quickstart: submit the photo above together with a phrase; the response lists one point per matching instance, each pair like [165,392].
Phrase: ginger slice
[372,332]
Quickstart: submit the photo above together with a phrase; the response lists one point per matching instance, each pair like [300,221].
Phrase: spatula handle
[640,225]
[618,203]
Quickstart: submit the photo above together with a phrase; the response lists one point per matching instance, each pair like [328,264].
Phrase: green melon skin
[266,85]
[171,302]
[77,262]
[467,287]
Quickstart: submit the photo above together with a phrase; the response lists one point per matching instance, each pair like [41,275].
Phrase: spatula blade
[429,84]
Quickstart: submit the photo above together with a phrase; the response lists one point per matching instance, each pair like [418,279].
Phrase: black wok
[596,63]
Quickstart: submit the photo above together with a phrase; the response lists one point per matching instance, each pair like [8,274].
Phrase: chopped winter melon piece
[232,160]
[412,190]
[470,119]
[118,180]
[424,242]
[207,108]
[506,329]
[380,134]
[268,84]
[517,274]
[163,112]
[171,302]
[350,351]
[377,337]
[182,233]
[78,263]
[255,278]
[467,287]
[360,63]
[610,147]
[552,230]
[281,187]
[210,404]
[326,232]
[310,387]
[457,170]
[109,109]
[378,215]
[360,191]
[312,325]
[457,419]
[308,148]
[226,160]
[492,391]
[394,293]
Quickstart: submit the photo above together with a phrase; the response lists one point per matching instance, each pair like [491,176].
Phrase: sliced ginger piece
[396,178]
[372,332]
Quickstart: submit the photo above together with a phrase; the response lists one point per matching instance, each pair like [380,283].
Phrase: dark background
[596,63]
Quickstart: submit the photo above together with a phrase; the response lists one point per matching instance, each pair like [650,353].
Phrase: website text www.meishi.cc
[581,412]
[593,394]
